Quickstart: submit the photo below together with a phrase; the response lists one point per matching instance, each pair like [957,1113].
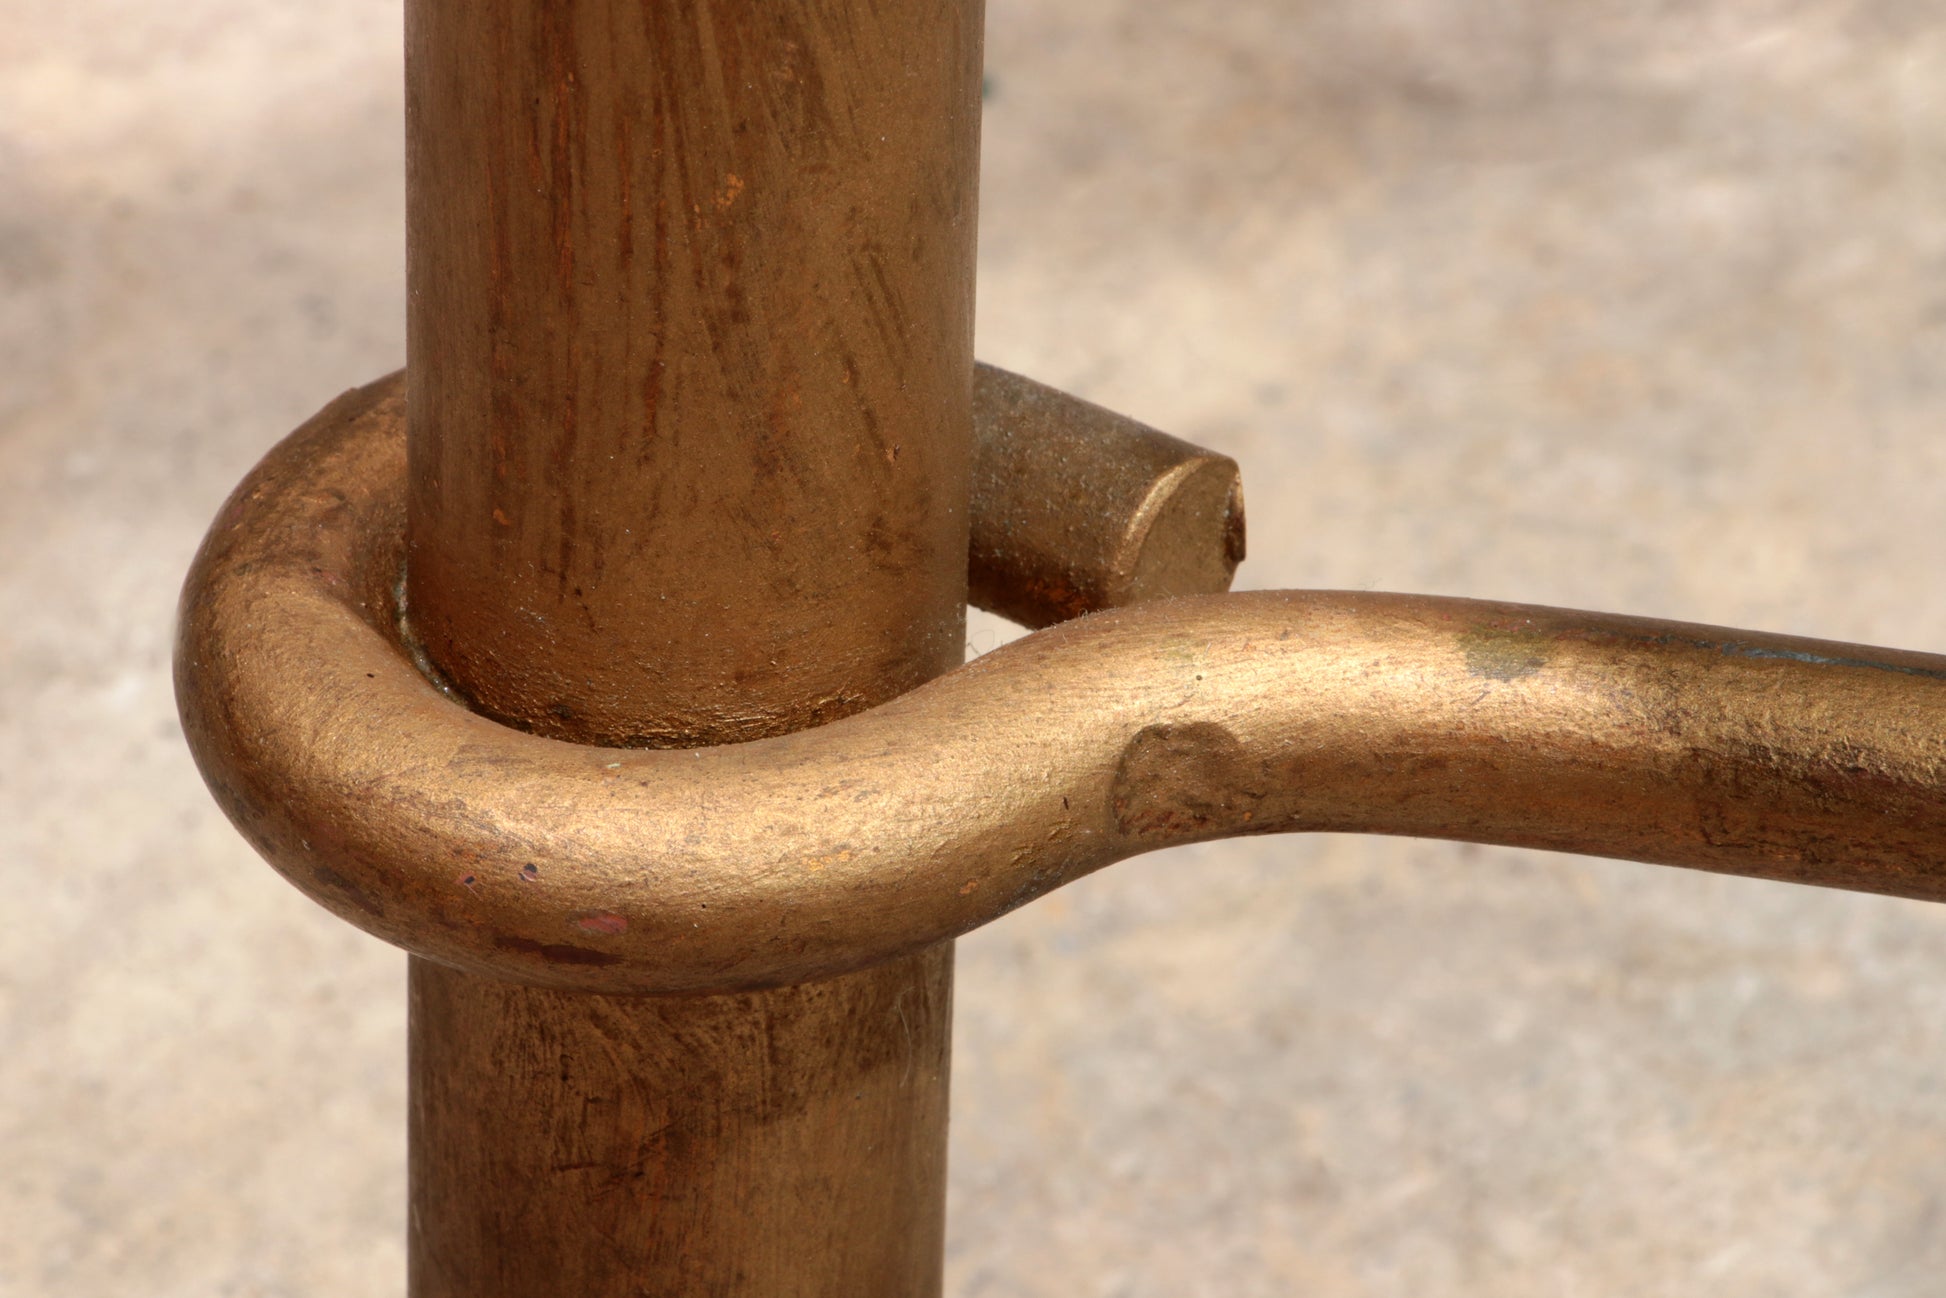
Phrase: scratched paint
[1766,653]
[1737,650]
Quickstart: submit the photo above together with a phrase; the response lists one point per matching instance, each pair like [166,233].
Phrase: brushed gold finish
[810,854]
[595,686]
[775,1143]
[690,348]
[690,334]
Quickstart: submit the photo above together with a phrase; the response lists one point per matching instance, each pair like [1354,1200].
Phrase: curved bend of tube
[789,859]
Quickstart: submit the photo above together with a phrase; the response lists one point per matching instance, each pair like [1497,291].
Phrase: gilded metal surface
[689,331]
[801,856]
[1077,509]
[784,1143]
[690,349]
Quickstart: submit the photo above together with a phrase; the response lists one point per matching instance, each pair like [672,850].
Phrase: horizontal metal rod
[802,856]
[1077,509]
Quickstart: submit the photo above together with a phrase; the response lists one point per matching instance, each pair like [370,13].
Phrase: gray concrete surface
[1627,306]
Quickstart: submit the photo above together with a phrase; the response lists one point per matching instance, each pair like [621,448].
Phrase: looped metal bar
[806,855]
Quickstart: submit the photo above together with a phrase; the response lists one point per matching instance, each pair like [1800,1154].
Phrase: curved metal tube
[789,859]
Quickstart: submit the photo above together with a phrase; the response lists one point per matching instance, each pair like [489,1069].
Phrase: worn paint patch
[556,952]
[1505,656]
[1757,651]
[345,888]
[601,921]
[1735,649]
[1180,781]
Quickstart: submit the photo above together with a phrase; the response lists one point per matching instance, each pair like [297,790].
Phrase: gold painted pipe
[689,343]
[1077,509]
[805,855]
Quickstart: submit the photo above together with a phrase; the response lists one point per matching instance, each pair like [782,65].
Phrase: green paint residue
[1503,655]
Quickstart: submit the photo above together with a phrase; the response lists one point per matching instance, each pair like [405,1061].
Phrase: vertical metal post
[689,369]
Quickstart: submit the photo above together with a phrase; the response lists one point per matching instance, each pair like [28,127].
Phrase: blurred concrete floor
[1614,305]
